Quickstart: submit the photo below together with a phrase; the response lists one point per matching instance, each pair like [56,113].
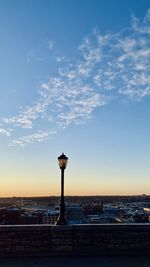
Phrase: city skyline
[75,79]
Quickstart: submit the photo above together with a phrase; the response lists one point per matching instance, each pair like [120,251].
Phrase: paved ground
[111,261]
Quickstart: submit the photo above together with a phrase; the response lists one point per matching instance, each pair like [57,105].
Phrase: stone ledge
[89,239]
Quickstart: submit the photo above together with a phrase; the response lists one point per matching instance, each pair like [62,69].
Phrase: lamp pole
[62,160]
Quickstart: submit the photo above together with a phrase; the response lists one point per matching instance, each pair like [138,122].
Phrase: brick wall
[31,240]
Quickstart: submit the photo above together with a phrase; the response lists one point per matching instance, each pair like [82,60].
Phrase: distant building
[30,218]
[50,216]
[75,215]
[107,215]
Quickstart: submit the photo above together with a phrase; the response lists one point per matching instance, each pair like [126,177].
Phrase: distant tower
[101,207]
[22,202]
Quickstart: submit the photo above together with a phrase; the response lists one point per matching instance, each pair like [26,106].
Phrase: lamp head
[62,160]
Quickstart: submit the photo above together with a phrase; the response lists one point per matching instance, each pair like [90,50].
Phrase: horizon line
[116,195]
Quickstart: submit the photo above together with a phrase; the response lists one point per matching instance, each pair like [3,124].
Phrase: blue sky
[75,79]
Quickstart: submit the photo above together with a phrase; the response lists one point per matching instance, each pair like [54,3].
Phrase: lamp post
[62,160]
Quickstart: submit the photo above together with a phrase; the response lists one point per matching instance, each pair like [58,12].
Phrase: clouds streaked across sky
[104,67]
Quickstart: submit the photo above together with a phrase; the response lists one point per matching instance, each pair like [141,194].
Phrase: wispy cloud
[60,59]
[38,136]
[26,117]
[31,56]
[105,67]
[5,132]
[50,44]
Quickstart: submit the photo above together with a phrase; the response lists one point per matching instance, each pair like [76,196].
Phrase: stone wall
[31,240]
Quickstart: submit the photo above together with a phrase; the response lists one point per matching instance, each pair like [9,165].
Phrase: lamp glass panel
[62,163]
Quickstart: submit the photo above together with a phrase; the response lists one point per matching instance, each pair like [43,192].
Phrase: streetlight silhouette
[62,160]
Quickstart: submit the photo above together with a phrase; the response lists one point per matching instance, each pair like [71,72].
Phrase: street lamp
[62,160]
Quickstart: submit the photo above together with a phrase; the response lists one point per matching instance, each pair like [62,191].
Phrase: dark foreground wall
[31,240]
